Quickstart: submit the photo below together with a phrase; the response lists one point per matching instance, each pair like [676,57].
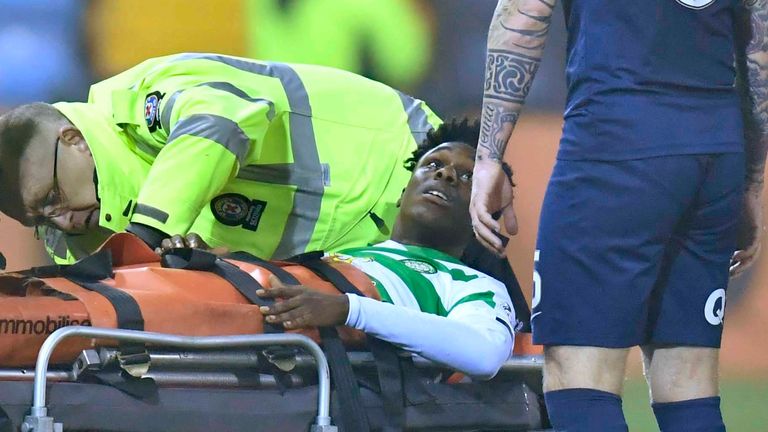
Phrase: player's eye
[466,177]
[433,165]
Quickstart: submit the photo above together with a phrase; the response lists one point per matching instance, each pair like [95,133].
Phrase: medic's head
[46,170]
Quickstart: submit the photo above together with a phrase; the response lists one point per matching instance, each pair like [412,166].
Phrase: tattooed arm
[515,45]
[752,64]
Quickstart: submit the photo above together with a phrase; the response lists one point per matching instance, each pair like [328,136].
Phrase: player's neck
[447,244]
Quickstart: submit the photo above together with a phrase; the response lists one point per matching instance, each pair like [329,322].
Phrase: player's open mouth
[437,194]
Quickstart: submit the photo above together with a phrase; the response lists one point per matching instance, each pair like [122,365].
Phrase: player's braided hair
[452,131]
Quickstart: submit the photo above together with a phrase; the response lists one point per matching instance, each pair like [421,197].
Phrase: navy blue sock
[695,415]
[585,410]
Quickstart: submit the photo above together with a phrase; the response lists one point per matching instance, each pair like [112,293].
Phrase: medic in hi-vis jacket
[269,158]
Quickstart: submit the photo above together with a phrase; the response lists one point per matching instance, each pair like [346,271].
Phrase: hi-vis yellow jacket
[269,158]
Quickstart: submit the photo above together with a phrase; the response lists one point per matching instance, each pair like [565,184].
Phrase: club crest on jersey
[152,110]
[420,266]
[696,4]
[238,210]
[335,257]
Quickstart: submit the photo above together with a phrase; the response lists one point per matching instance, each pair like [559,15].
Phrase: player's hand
[750,231]
[302,307]
[492,193]
[191,240]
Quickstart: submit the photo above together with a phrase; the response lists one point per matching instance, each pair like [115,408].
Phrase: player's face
[56,183]
[439,190]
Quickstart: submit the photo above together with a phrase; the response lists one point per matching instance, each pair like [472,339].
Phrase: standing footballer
[641,217]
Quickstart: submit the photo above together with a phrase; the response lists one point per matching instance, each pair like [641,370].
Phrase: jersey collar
[425,252]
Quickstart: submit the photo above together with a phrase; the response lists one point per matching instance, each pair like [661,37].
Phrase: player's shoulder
[461,272]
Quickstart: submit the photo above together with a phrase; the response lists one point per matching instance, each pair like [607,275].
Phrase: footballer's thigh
[602,235]
[688,303]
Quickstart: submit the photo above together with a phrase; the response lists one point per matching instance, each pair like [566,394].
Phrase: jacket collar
[120,170]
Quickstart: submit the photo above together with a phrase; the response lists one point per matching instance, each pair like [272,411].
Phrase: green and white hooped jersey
[430,281]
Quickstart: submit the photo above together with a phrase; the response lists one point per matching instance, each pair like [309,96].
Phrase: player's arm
[470,339]
[754,67]
[752,64]
[212,134]
[515,45]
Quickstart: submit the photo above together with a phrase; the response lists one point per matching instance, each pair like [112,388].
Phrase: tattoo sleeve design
[757,96]
[509,75]
[515,44]
[495,128]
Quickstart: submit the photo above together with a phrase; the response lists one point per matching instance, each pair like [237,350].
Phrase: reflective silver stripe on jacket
[305,172]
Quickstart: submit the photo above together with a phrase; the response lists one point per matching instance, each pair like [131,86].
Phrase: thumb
[510,220]
[274,282]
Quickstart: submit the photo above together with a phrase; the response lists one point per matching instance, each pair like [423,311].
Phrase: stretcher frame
[39,421]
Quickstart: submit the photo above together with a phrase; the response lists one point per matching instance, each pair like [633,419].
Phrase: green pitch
[744,405]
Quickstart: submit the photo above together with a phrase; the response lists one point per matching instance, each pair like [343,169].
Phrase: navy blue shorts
[636,252]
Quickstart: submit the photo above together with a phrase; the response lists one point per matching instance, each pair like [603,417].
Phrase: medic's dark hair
[453,131]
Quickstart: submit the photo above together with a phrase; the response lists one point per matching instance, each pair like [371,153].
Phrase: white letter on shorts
[715,316]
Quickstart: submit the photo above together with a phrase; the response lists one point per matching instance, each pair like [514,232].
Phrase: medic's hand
[492,194]
[191,240]
[750,231]
[302,307]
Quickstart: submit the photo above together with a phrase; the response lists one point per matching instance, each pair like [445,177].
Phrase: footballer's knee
[567,367]
[681,373]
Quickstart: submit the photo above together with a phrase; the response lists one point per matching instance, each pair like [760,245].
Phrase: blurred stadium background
[52,50]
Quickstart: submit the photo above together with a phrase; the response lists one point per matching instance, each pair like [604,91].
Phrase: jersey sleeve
[460,341]
[212,134]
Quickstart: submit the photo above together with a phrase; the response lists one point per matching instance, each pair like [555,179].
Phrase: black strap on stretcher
[89,274]
[398,378]
[279,272]
[200,260]
[353,416]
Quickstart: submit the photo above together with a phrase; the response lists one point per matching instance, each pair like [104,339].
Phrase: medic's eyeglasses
[53,203]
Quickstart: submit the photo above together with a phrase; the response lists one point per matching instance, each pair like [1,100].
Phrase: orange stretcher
[178,363]
[182,302]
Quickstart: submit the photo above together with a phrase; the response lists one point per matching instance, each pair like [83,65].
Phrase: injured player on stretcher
[433,304]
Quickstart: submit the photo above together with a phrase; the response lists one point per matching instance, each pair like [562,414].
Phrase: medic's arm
[212,133]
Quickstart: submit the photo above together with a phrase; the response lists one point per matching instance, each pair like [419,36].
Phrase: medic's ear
[71,136]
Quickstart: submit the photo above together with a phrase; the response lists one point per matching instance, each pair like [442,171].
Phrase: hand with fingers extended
[492,195]
[191,240]
[303,307]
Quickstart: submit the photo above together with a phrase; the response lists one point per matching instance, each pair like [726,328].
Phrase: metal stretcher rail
[38,420]
[204,362]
